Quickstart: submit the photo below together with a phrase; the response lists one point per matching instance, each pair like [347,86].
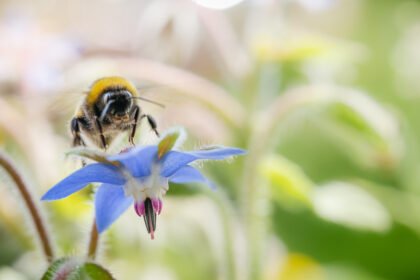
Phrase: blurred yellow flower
[300,267]
[74,207]
[289,184]
[268,48]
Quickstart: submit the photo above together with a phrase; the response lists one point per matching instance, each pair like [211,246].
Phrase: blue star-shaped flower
[141,177]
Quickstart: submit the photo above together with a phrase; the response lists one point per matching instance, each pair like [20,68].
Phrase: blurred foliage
[324,95]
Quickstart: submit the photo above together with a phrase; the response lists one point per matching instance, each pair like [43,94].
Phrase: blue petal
[174,160]
[189,174]
[110,203]
[220,153]
[92,173]
[138,160]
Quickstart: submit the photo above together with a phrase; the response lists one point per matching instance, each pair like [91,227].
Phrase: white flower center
[153,185]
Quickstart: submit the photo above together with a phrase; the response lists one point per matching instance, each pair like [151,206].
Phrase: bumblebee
[108,109]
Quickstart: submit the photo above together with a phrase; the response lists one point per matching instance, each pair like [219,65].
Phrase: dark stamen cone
[149,217]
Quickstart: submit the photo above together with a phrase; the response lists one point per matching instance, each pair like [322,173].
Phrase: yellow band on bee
[103,84]
[79,112]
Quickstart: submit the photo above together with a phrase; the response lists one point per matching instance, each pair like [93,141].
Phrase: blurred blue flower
[142,178]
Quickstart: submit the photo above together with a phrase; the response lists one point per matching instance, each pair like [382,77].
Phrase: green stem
[221,201]
[34,212]
[260,141]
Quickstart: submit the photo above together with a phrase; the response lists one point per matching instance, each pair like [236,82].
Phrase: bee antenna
[105,110]
[148,100]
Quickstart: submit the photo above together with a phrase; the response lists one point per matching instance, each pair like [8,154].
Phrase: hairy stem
[226,213]
[34,212]
[260,142]
[93,242]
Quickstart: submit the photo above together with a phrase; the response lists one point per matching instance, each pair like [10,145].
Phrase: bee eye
[129,95]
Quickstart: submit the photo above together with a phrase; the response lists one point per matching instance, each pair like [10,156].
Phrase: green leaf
[289,185]
[391,255]
[73,269]
[403,205]
[351,118]
[61,269]
[94,271]
[364,129]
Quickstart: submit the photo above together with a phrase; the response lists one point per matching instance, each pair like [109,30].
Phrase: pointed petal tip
[99,228]
[219,153]
[49,196]
[211,184]
[242,151]
[110,203]
[235,151]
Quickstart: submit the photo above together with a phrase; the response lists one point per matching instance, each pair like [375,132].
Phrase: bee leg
[77,140]
[151,122]
[104,145]
[136,112]
[75,130]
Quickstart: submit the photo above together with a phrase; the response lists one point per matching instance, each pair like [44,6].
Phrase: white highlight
[317,5]
[347,204]
[218,4]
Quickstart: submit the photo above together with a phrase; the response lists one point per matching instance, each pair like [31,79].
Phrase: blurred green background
[324,94]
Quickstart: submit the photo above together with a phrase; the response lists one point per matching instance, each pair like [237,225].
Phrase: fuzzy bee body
[108,109]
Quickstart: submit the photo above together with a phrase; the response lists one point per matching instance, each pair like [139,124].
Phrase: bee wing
[144,89]
[152,93]
[64,104]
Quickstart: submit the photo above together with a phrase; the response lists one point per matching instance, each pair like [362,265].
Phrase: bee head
[115,103]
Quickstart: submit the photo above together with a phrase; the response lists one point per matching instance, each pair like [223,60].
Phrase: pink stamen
[157,205]
[160,206]
[139,207]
